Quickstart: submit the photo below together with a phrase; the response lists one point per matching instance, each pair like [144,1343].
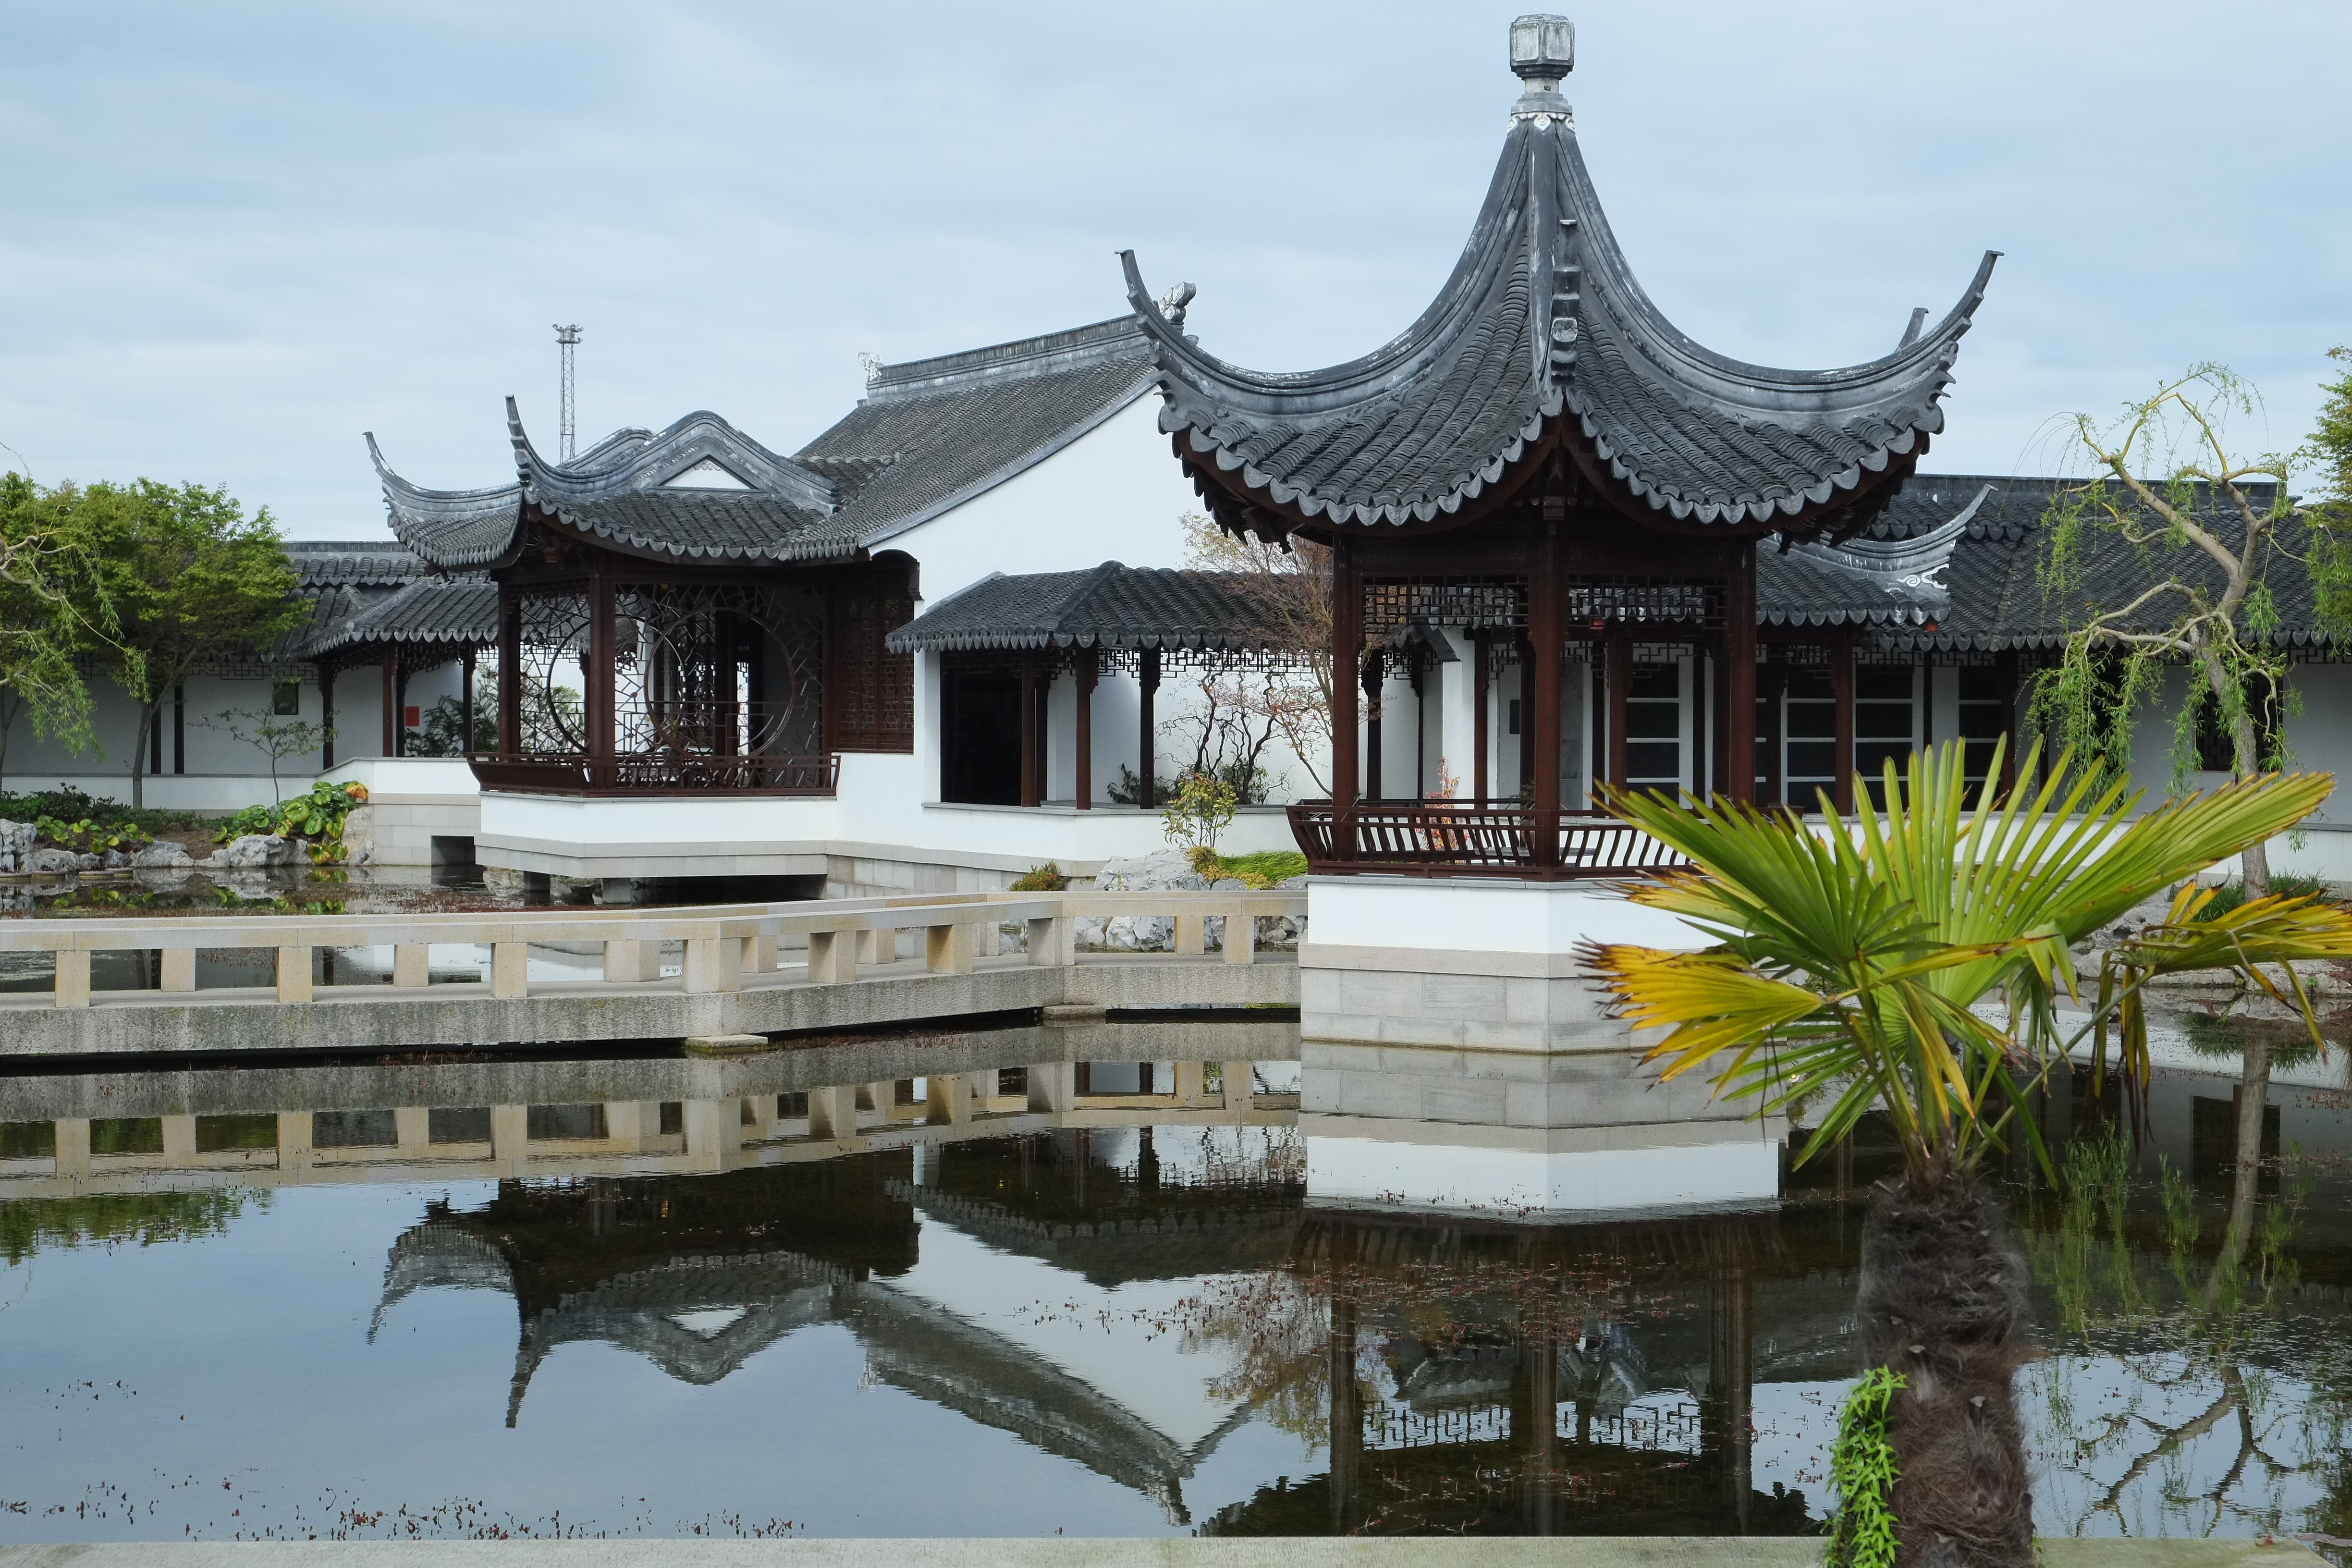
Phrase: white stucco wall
[1113,494]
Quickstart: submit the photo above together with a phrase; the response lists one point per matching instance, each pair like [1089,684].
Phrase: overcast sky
[235,235]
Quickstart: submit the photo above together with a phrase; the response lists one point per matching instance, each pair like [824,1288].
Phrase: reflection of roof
[1542,323]
[772,1293]
[1109,605]
[936,1355]
[1215,1232]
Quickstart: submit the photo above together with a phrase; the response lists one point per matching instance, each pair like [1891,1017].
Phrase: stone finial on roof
[1543,50]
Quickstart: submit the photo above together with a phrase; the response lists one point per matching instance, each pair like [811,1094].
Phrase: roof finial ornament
[871,363]
[1543,50]
[1172,304]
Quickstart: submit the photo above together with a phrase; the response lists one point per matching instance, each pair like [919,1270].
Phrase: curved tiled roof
[634,488]
[932,432]
[1109,605]
[463,612]
[1542,323]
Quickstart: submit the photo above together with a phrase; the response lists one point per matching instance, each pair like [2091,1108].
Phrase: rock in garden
[54,861]
[15,846]
[1168,868]
[164,856]
[258,850]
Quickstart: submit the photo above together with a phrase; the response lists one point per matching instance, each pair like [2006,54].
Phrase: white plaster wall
[1474,916]
[1113,494]
[1742,1167]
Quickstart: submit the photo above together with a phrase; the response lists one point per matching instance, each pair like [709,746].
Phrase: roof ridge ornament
[1543,51]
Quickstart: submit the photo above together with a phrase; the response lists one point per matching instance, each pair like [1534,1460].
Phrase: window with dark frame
[286,699]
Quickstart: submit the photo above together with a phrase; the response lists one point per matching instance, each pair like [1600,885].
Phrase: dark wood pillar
[2005,680]
[1347,1416]
[1620,687]
[1089,671]
[1029,784]
[1147,681]
[1727,1421]
[1375,675]
[602,673]
[399,707]
[155,741]
[387,687]
[465,701]
[327,716]
[1740,684]
[509,673]
[1535,1414]
[1540,683]
[1347,648]
[1842,688]
[179,729]
[1417,668]
[1481,671]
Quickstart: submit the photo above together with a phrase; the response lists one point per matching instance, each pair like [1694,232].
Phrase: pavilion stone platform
[1456,1053]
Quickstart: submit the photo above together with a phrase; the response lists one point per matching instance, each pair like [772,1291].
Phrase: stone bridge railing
[724,944]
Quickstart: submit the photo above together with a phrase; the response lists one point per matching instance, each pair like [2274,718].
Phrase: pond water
[1041,1280]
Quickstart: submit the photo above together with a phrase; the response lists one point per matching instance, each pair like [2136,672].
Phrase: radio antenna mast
[569,338]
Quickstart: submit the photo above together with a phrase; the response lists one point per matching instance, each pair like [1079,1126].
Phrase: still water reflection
[1040,1279]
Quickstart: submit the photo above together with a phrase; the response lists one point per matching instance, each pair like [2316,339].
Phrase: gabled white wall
[1113,494]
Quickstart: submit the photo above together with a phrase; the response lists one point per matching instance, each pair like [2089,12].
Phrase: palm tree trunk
[1942,1302]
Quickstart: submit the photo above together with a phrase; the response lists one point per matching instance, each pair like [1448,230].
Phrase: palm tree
[1852,965]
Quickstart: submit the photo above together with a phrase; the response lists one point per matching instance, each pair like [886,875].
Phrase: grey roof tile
[1542,321]
[465,611]
[1109,605]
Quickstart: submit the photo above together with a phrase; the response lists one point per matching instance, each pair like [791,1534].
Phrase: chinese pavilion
[1544,464]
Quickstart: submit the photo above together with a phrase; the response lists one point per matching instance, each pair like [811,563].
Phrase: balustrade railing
[722,943]
[1450,838]
[656,772]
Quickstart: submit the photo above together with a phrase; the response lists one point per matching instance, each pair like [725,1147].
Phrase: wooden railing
[723,944]
[679,772]
[1446,838]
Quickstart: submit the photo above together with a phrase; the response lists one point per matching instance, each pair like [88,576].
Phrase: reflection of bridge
[292,1126]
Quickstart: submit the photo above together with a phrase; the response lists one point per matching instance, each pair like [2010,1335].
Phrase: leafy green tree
[193,580]
[275,736]
[2209,525]
[51,608]
[1848,966]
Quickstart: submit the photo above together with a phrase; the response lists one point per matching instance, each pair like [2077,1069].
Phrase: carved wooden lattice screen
[871,705]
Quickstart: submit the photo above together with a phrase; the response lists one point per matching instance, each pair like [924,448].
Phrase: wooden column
[509,673]
[1146,685]
[399,708]
[1621,687]
[465,701]
[1346,647]
[1842,688]
[386,684]
[1029,784]
[179,729]
[1542,688]
[600,674]
[1481,667]
[1740,684]
[1089,671]
[326,715]
[2005,680]
[1374,676]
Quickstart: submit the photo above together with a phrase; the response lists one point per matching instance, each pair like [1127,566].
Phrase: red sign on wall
[408,716]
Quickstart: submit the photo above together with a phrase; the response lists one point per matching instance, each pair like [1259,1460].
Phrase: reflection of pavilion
[1576,1377]
[698,1275]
